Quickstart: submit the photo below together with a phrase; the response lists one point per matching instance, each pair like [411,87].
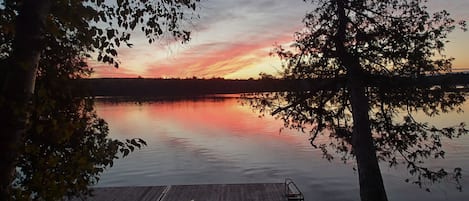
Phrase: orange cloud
[215,60]
[109,71]
[233,40]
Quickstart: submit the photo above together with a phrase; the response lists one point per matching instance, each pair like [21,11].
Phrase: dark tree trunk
[370,179]
[371,182]
[18,86]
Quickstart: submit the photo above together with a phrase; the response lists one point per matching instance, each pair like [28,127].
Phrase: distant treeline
[178,87]
[192,87]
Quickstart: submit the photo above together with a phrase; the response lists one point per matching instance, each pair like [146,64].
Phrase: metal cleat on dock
[292,192]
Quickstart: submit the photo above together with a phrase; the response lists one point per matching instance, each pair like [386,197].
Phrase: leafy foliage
[66,145]
[374,39]
[102,26]
[398,137]
[398,37]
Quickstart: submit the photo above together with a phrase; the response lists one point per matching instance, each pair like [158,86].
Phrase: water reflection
[221,141]
[399,139]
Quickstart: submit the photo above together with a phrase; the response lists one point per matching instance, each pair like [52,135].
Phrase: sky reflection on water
[221,141]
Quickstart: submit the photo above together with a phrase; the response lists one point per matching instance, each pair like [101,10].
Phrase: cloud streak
[232,39]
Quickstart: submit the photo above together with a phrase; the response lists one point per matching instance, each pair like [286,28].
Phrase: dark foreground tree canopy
[102,26]
[50,40]
[66,146]
[382,37]
[359,40]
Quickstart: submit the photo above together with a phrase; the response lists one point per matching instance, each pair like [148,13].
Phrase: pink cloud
[231,38]
[215,60]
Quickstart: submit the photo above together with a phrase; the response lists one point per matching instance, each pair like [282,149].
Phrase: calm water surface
[204,141]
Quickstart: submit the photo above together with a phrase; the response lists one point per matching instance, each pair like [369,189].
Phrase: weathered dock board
[227,192]
[206,192]
[134,193]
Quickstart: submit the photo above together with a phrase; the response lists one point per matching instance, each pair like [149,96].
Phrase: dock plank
[134,193]
[226,192]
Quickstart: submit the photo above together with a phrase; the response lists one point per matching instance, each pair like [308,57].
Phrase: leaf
[125,152]
[110,34]
[141,141]
[113,52]
[134,142]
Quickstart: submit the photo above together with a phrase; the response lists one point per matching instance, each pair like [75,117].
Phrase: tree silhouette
[32,28]
[398,138]
[66,146]
[357,40]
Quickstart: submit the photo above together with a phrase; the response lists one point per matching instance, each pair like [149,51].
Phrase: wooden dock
[206,192]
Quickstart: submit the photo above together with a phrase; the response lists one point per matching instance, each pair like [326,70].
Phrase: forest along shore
[143,87]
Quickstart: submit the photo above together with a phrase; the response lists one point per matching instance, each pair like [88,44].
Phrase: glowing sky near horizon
[233,39]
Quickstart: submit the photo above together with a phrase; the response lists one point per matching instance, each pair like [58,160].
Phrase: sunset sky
[233,39]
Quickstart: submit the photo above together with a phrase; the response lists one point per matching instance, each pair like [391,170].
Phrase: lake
[218,140]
